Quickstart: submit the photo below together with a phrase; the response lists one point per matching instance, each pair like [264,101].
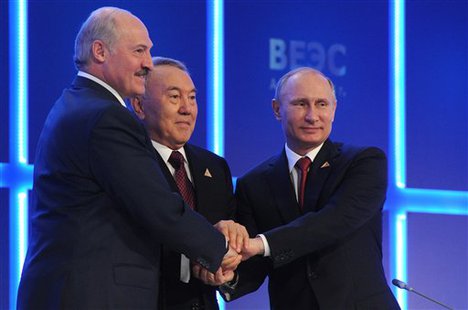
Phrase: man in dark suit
[102,207]
[169,111]
[317,207]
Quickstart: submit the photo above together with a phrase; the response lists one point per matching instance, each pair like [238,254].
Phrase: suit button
[195,306]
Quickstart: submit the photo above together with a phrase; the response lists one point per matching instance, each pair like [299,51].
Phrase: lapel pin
[325,165]
[208,173]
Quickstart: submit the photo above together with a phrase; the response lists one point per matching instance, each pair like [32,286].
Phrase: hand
[235,234]
[255,247]
[231,260]
[209,278]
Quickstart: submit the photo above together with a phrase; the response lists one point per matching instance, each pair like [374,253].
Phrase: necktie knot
[303,164]
[176,160]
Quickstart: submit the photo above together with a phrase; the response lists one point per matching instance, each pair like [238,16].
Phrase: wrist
[259,245]
[228,288]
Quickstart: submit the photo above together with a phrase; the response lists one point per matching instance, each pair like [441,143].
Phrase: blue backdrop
[426,217]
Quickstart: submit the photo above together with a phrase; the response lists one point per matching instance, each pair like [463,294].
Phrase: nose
[311,114]
[187,105]
[147,61]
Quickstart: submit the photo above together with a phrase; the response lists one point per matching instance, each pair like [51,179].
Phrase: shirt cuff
[266,246]
[228,288]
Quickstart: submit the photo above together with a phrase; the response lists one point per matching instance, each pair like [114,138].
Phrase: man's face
[126,64]
[306,111]
[169,109]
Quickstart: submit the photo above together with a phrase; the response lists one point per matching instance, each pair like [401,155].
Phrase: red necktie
[302,166]
[183,183]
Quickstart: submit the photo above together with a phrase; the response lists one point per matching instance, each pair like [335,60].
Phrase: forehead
[169,76]
[131,30]
[307,85]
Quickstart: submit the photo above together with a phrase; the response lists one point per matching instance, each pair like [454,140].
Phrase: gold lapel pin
[208,173]
[325,165]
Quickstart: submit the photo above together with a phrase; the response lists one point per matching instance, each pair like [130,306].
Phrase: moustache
[142,72]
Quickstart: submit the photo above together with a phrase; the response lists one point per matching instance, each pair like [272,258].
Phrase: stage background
[350,42]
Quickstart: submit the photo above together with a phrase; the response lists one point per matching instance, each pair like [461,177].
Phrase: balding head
[100,25]
[282,81]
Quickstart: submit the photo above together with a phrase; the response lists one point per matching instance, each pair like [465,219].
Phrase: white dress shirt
[103,84]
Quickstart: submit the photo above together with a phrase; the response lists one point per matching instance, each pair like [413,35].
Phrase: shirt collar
[166,152]
[103,84]
[294,157]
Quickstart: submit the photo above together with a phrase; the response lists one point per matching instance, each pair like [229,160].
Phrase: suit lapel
[282,189]
[166,172]
[318,174]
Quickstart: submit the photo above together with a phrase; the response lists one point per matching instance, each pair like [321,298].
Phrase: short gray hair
[285,78]
[165,61]
[100,25]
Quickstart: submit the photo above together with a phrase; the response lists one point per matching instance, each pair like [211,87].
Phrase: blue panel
[321,34]
[183,40]
[437,94]
[437,246]
[402,200]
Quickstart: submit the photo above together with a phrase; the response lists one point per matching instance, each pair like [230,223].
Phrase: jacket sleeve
[126,167]
[356,193]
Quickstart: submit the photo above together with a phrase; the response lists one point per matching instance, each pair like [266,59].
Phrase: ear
[275,105]
[137,107]
[334,111]
[99,51]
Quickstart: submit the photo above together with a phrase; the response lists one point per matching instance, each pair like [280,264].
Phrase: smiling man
[169,111]
[317,207]
[102,207]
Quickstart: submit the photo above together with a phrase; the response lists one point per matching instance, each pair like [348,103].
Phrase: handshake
[240,248]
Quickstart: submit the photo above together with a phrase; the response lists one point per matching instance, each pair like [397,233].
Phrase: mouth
[183,124]
[311,129]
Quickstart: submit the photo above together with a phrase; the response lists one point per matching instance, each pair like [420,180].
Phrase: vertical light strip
[215,83]
[19,80]
[399,125]
[397,141]
[18,239]
[399,91]
[215,76]
[401,257]
[18,41]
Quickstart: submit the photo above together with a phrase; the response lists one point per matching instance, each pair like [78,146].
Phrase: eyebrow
[142,46]
[194,90]
[308,100]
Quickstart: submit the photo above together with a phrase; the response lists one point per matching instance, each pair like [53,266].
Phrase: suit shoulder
[204,153]
[352,151]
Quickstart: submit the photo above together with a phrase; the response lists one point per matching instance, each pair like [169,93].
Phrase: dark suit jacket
[101,210]
[215,201]
[329,256]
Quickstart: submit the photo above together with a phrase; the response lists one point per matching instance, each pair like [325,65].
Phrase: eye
[322,104]
[299,103]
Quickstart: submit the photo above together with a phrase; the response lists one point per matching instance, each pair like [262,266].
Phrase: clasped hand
[240,248]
